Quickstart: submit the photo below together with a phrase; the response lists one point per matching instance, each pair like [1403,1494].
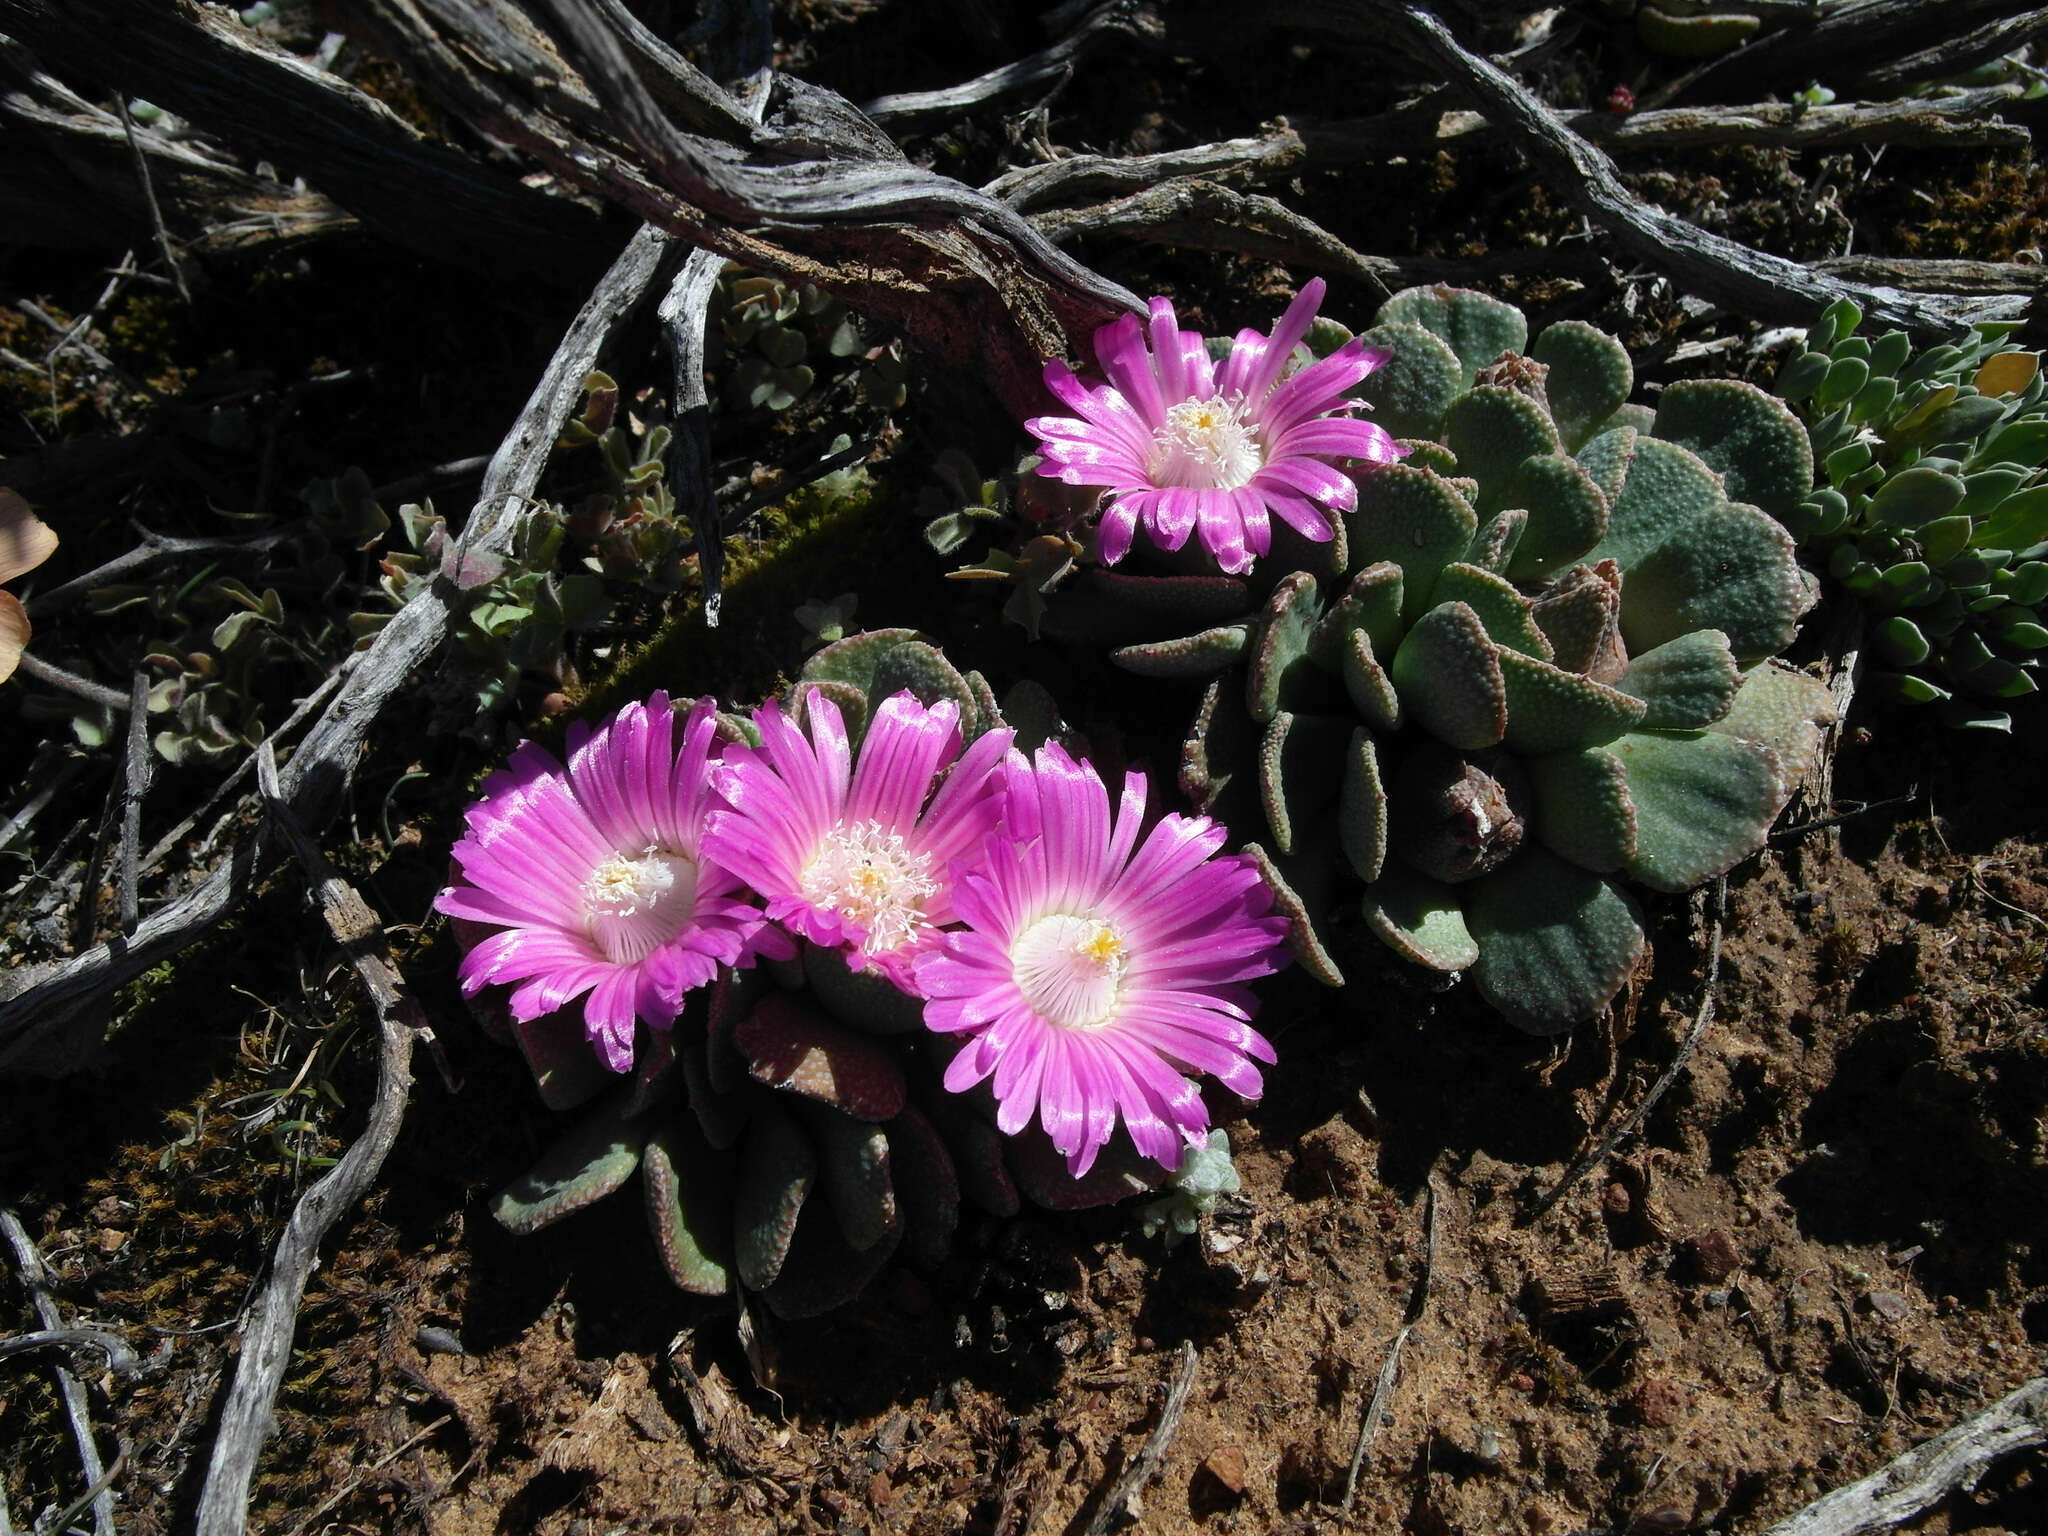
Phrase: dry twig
[1768,287]
[1122,1501]
[1390,1368]
[99,1481]
[246,1419]
[37,1002]
[1950,1463]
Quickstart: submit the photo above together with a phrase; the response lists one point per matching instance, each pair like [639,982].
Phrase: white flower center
[1069,969]
[634,906]
[871,877]
[1206,443]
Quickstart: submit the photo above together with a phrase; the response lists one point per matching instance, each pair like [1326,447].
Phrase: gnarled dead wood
[817,195]
[1108,23]
[1768,287]
[201,63]
[1913,1484]
[37,1003]
[1029,188]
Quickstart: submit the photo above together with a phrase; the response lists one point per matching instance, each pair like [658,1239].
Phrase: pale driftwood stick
[36,1001]
[1940,122]
[1029,188]
[154,550]
[1768,287]
[1122,1500]
[120,1358]
[1390,1368]
[201,63]
[684,312]
[1116,20]
[32,665]
[156,212]
[1955,55]
[134,786]
[1718,907]
[1205,215]
[1939,276]
[266,1345]
[34,1280]
[819,195]
[1950,1463]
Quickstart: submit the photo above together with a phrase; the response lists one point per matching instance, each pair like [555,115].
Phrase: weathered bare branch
[1912,1485]
[1769,287]
[38,1002]
[1115,21]
[1029,188]
[35,1281]
[266,1345]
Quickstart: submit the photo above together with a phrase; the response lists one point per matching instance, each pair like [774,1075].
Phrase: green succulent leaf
[1478,327]
[1590,377]
[1555,942]
[1730,568]
[1410,392]
[1945,538]
[777,1167]
[1703,804]
[1292,904]
[1662,487]
[1414,519]
[849,700]
[1201,655]
[1362,808]
[1506,613]
[1299,764]
[1419,919]
[2018,522]
[1372,603]
[789,1046]
[1758,447]
[597,1156]
[1105,608]
[689,1205]
[865,999]
[1372,691]
[1552,710]
[1568,515]
[722,1117]
[1492,429]
[1282,652]
[1902,643]
[923,670]
[558,1053]
[1688,683]
[854,1170]
[1910,497]
[822,1271]
[1582,808]
[1785,711]
[2023,442]
[1448,674]
[927,1188]
[1493,546]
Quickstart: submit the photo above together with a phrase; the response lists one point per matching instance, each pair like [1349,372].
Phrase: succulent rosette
[852,852]
[591,880]
[1184,447]
[1096,970]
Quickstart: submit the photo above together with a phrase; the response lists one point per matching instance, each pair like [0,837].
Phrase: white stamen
[1206,443]
[633,906]
[873,878]
[1069,969]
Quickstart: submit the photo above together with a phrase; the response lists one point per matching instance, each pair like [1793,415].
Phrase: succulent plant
[1205,1175]
[777,334]
[791,1128]
[1934,514]
[1532,669]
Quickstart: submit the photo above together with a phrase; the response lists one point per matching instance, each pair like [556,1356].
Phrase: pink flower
[856,856]
[1182,447]
[1090,979]
[594,879]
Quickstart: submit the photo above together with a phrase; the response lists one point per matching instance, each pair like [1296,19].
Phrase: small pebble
[437,1341]
[1226,1465]
[1889,1305]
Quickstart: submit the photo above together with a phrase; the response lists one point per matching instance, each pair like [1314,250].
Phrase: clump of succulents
[809,1087]
[1934,510]
[1519,671]
[778,335]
